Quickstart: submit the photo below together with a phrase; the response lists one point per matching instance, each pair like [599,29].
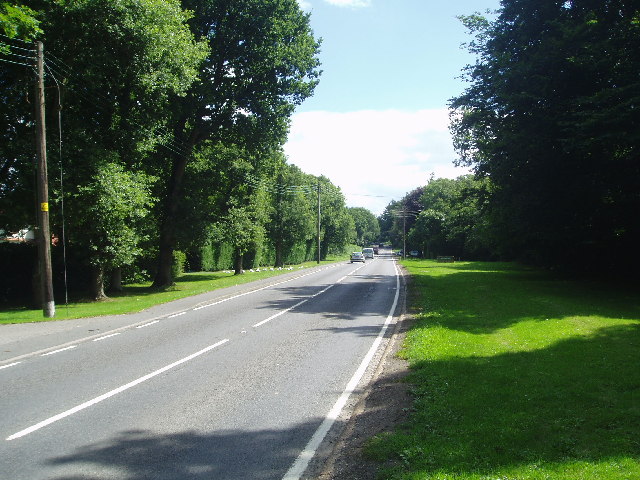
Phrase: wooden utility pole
[404,231]
[318,221]
[43,234]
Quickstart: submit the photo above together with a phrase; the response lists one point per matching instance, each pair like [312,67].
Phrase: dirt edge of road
[383,405]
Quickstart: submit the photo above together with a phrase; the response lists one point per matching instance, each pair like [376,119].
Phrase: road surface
[240,383]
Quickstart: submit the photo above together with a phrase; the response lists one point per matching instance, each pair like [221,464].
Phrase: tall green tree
[111,66]
[262,63]
[18,26]
[293,220]
[337,228]
[17,21]
[110,212]
[452,220]
[399,217]
[549,117]
[366,225]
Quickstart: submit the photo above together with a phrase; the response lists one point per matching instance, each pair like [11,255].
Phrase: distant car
[414,253]
[368,252]
[357,257]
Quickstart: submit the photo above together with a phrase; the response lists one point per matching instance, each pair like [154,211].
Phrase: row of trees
[173,115]
[550,124]
[551,119]
[444,217]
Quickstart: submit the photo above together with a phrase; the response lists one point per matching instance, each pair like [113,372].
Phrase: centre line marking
[105,337]
[256,290]
[58,351]
[290,308]
[147,324]
[177,315]
[121,389]
[10,365]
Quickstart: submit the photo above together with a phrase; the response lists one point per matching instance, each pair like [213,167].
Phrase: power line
[16,63]
[102,101]
[13,39]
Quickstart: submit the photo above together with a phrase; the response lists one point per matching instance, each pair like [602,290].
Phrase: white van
[368,252]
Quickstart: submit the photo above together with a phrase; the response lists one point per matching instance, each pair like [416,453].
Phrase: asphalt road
[236,384]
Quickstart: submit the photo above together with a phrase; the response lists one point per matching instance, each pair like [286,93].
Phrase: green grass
[137,297]
[517,375]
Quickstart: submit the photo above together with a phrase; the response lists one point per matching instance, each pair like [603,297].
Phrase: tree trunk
[279,259]
[116,280]
[238,263]
[163,277]
[97,283]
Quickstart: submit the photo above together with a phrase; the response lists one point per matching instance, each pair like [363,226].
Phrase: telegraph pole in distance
[318,221]
[43,234]
[404,231]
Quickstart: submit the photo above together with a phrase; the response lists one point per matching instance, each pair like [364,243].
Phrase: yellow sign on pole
[44,207]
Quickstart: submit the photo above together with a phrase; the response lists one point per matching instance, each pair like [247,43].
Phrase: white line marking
[177,315]
[256,290]
[10,365]
[302,462]
[121,389]
[279,313]
[58,351]
[105,337]
[291,308]
[147,324]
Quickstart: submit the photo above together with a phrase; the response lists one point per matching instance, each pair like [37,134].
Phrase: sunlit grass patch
[137,297]
[517,375]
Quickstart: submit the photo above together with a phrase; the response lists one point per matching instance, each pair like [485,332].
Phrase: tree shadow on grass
[531,412]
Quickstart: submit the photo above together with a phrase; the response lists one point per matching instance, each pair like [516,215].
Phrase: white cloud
[350,3]
[374,156]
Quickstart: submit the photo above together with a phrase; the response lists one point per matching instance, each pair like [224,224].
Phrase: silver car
[357,257]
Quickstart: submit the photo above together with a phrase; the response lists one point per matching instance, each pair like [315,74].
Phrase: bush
[179,263]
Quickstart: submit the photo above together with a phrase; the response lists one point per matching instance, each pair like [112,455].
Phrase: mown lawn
[135,298]
[517,375]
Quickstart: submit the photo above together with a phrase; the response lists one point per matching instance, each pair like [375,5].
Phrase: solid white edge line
[10,365]
[302,462]
[59,350]
[121,389]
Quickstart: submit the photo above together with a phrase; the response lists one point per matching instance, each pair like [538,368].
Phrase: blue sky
[377,123]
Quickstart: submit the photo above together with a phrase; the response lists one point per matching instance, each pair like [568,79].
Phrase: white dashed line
[121,389]
[105,337]
[10,365]
[148,324]
[58,351]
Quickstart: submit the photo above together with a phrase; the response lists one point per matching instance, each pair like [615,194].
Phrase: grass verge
[516,376]
[137,297]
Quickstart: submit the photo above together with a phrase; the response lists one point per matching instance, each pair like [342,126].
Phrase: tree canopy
[551,119]
[366,225]
[183,106]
